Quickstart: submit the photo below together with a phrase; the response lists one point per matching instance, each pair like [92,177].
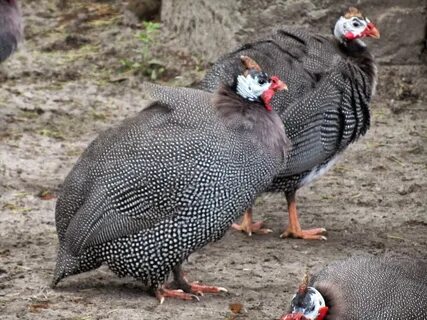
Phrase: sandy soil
[67,84]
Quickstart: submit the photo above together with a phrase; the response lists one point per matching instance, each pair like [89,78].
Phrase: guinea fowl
[331,83]
[368,288]
[147,194]
[10,28]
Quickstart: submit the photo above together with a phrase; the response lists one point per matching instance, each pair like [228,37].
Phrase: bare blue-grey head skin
[331,82]
[10,28]
[147,194]
[364,287]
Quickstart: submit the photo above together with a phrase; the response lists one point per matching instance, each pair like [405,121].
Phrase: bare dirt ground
[67,84]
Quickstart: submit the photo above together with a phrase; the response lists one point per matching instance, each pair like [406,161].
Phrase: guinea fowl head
[353,25]
[256,85]
[307,304]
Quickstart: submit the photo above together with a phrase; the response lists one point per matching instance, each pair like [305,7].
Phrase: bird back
[374,288]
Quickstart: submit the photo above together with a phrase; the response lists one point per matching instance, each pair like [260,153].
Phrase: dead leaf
[35,307]
[46,195]
[236,307]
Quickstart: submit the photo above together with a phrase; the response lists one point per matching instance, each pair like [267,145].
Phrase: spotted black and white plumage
[10,28]
[147,194]
[331,82]
[368,288]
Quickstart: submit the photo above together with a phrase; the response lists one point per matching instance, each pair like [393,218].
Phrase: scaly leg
[294,229]
[180,288]
[248,226]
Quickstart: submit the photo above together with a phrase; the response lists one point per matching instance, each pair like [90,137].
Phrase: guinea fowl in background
[331,83]
[147,194]
[10,28]
[365,288]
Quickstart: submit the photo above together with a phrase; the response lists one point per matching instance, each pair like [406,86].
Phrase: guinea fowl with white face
[331,82]
[364,288]
[147,194]
[10,28]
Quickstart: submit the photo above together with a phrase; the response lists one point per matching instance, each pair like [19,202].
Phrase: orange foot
[163,293]
[248,226]
[294,228]
[196,289]
[180,288]
[310,234]
[200,289]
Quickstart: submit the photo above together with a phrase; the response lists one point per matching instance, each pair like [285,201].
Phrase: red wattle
[322,313]
[294,316]
[350,36]
[266,97]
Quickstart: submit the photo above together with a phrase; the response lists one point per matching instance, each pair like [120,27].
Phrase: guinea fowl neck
[357,51]
[252,118]
[333,300]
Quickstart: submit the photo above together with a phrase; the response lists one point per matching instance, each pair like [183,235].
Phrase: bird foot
[186,291]
[163,293]
[255,227]
[248,226]
[200,289]
[309,234]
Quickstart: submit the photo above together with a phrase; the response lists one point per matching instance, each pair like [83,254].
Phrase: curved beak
[294,316]
[281,86]
[277,84]
[372,31]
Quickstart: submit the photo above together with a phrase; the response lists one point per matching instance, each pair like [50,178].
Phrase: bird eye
[312,309]
[356,23]
[261,81]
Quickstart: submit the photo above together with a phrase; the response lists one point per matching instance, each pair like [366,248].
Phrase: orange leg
[294,229]
[180,288]
[248,226]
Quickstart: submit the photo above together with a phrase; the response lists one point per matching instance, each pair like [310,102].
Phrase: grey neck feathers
[333,300]
[359,54]
[363,74]
[251,118]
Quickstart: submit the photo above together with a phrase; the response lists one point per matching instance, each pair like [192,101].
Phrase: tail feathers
[66,265]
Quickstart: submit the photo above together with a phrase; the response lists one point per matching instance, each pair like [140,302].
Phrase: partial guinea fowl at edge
[10,28]
[331,83]
[368,288]
[145,195]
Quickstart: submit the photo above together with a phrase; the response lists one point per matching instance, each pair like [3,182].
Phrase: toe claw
[310,234]
[264,231]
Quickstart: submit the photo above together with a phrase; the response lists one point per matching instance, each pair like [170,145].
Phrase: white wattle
[249,88]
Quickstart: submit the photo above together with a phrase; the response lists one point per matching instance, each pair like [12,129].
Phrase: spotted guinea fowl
[147,194]
[368,288]
[10,28]
[331,81]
